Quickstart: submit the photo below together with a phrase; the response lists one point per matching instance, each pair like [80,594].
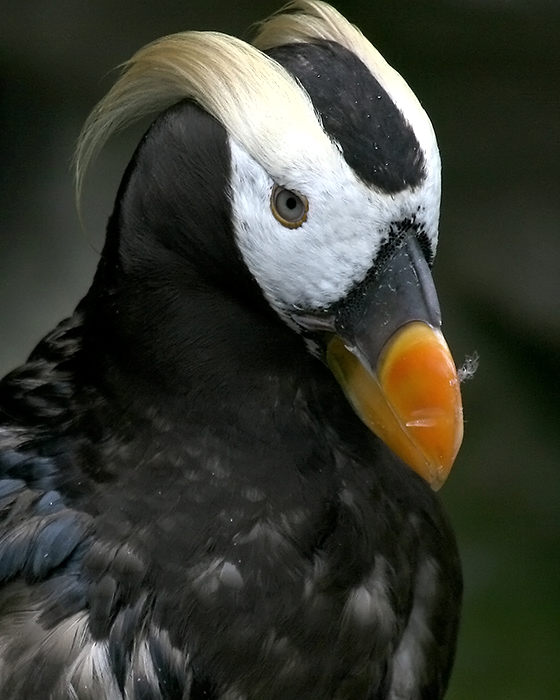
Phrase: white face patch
[316,264]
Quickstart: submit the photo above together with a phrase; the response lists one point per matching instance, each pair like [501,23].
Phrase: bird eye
[288,207]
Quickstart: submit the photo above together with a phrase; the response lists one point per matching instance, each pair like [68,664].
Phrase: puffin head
[334,189]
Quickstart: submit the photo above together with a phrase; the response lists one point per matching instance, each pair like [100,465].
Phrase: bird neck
[181,347]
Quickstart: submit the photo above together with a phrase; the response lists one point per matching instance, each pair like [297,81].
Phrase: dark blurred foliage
[488,72]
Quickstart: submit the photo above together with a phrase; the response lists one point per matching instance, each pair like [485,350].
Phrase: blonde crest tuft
[256,99]
[259,103]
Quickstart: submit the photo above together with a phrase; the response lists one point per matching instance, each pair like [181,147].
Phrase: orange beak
[386,350]
[411,400]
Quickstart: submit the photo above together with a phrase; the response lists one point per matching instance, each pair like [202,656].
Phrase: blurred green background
[488,73]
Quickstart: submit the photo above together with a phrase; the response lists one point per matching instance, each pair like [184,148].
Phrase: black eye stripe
[376,140]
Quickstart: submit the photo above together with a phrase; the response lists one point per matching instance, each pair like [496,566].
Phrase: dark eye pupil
[291,203]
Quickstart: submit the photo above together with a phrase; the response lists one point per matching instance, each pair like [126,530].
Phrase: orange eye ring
[288,207]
